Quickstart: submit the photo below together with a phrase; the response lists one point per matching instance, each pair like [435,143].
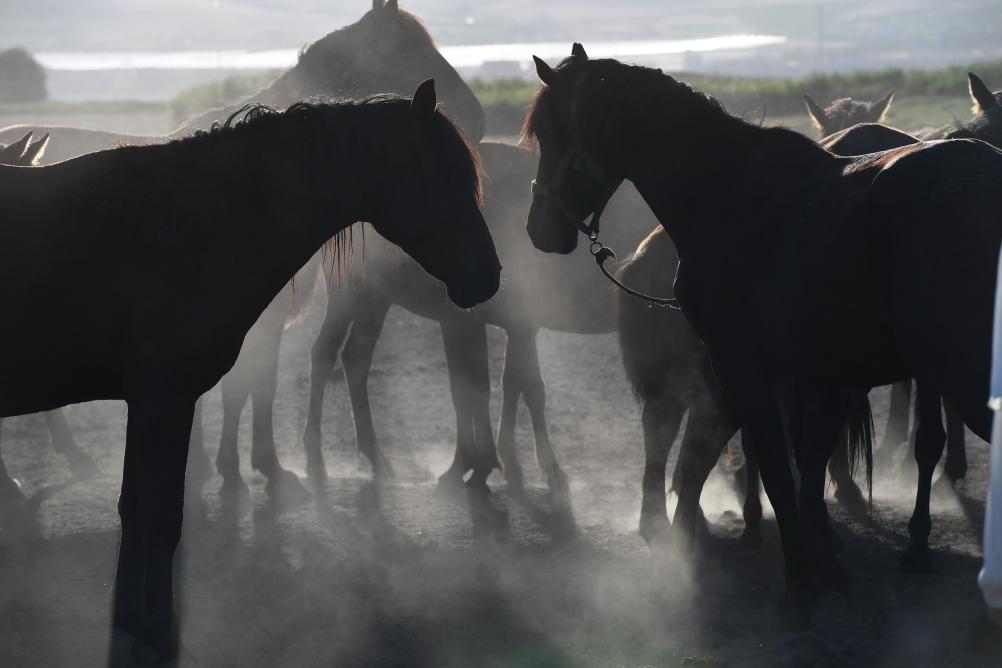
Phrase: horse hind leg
[751,510]
[661,416]
[323,357]
[929,442]
[898,419]
[235,393]
[706,435]
[63,442]
[466,355]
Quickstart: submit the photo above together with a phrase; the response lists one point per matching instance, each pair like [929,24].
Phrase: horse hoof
[382,469]
[11,493]
[656,532]
[916,560]
[129,651]
[233,486]
[850,497]
[515,487]
[751,538]
[285,488]
[316,471]
[557,481]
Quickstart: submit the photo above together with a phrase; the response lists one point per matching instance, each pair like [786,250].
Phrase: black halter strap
[576,157]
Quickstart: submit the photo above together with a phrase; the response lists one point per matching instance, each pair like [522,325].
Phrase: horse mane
[455,149]
[622,82]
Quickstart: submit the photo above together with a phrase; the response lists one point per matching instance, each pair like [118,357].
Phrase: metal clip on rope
[602,253]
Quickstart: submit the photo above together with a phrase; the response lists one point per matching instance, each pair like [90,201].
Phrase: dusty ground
[398,576]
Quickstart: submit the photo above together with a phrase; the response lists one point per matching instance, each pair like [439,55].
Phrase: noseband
[577,158]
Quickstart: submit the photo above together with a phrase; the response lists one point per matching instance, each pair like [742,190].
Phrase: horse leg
[661,417]
[534,393]
[764,429]
[9,489]
[512,384]
[929,442]
[898,419]
[847,492]
[63,442]
[323,357]
[820,435]
[466,355]
[235,393]
[706,436]
[955,467]
[356,360]
[150,508]
[751,537]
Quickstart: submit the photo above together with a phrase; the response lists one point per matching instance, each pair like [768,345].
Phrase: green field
[923,98]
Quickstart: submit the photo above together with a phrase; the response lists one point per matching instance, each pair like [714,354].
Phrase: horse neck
[697,175]
[266,218]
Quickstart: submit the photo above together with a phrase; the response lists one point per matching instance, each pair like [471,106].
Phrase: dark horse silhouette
[386,50]
[577,299]
[794,262]
[170,253]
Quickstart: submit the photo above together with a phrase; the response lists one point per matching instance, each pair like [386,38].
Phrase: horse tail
[858,436]
[645,333]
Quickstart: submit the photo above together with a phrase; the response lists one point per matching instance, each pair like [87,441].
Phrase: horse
[986,125]
[388,49]
[846,112]
[577,300]
[171,252]
[813,266]
[983,101]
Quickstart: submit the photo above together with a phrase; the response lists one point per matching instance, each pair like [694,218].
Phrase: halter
[576,157]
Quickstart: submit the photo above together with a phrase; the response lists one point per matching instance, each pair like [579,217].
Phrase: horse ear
[817,114]
[12,154]
[392,5]
[36,150]
[545,72]
[982,97]
[883,105]
[578,51]
[424,101]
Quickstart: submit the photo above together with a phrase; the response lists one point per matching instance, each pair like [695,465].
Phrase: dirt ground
[397,575]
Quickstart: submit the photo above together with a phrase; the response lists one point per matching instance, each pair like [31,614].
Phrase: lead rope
[603,253]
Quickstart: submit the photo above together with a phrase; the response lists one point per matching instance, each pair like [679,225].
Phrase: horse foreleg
[323,357]
[63,442]
[466,355]
[356,359]
[929,442]
[955,467]
[235,393]
[150,508]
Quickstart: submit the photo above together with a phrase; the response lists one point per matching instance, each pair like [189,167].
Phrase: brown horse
[813,266]
[846,112]
[386,50]
[577,299]
[171,252]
